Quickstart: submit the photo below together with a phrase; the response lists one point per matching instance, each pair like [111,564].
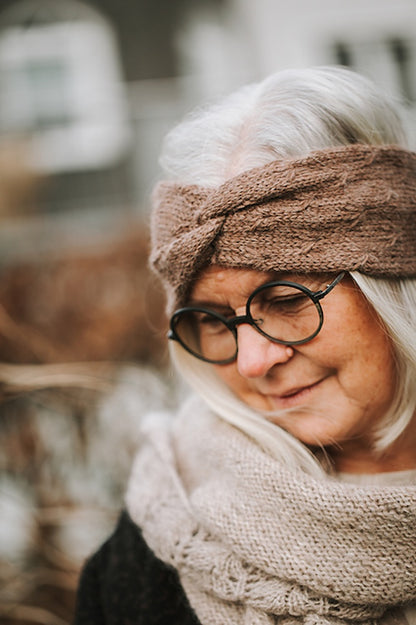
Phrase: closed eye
[287,303]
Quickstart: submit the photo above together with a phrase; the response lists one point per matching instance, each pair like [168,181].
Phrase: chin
[309,428]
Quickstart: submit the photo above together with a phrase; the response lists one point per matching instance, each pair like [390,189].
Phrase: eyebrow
[209,304]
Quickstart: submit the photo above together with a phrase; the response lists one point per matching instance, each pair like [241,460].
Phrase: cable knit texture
[253,541]
[347,208]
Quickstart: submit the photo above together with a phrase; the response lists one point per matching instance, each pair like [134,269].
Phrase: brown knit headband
[350,208]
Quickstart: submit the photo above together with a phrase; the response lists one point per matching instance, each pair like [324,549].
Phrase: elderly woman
[284,491]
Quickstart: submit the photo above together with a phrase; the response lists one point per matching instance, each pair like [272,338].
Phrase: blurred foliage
[82,339]
[65,456]
[82,306]
[68,432]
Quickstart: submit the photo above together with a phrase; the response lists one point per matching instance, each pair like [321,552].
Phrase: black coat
[125,584]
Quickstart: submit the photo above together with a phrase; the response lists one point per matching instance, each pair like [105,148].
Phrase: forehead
[216,282]
[223,279]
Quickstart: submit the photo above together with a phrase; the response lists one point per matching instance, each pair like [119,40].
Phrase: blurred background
[87,92]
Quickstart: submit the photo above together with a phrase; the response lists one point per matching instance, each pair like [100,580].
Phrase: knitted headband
[350,208]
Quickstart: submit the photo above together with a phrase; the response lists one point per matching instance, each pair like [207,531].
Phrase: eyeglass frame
[232,323]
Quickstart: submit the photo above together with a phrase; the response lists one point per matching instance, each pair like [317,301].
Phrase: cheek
[244,389]
[362,355]
[379,369]
[229,374]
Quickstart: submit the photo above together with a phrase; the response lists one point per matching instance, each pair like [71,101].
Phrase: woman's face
[337,386]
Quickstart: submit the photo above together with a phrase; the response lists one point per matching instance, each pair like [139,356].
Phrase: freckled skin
[338,385]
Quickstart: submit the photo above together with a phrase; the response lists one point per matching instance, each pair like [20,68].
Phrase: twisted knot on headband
[345,208]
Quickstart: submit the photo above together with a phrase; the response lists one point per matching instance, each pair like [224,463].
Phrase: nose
[256,354]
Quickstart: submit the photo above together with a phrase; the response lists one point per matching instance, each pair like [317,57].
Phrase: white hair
[291,114]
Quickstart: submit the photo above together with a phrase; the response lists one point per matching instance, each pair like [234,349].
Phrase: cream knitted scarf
[255,543]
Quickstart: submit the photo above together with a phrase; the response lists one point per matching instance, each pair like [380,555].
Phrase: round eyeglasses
[284,312]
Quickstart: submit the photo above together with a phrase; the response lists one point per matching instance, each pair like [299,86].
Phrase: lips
[296,391]
[294,395]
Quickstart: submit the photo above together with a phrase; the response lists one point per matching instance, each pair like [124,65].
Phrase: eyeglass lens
[282,313]
[206,336]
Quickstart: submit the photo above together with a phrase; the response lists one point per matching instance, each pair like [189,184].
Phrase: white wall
[300,32]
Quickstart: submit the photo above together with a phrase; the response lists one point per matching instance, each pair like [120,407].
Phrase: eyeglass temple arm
[320,294]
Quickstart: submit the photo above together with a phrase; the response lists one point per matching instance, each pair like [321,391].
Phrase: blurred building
[63,113]
[88,89]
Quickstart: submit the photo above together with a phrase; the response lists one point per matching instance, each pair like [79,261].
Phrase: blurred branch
[49,515]
[99,376]
[23,584]
[31,614]
[43,349]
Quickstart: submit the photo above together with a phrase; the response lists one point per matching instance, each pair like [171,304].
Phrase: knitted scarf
[255,543]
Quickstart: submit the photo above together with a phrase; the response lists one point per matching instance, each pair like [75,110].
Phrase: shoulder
[124,582]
